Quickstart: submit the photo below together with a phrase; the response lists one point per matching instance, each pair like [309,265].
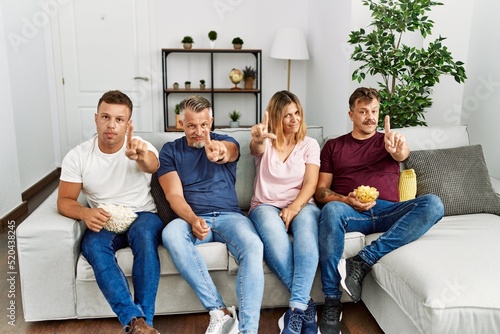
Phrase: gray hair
[196,103]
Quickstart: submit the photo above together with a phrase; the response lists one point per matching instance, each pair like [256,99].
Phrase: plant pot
[234,124]
[202,86]
[187,86]
[187,45]
[176,86]
[212,44]
[237,46]
[178,125]
[249,83]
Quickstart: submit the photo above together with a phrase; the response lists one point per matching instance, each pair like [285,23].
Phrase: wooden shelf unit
[212,91]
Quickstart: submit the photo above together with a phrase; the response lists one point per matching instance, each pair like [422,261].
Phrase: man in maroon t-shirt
[364,157]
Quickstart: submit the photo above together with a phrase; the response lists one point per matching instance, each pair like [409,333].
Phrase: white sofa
[441,283]
[447,280]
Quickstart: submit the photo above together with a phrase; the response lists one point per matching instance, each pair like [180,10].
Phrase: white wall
[24,44]
[328,75]
[10,183]
[448,94]
[481,97]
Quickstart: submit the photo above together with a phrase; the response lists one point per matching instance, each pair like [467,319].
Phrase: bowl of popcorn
[366,194]
[121,217]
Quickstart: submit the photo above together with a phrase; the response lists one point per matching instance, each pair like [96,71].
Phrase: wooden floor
[356,318]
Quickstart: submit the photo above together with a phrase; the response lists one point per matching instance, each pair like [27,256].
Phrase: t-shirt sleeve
[325,158]
[313,152]
[71,170]
[167,159]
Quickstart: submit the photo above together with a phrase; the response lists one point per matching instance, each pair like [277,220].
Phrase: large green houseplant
[408,73]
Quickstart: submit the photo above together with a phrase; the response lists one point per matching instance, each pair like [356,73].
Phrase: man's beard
[199,144]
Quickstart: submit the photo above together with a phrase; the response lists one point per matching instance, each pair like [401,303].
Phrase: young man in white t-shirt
[113,170]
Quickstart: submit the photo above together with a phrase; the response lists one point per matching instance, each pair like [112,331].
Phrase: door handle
[142,78]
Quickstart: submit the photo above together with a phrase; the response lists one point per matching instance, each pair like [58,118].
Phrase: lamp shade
[289,43]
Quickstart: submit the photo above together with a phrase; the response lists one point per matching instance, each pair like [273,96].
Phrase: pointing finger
[389,136]
[265,121]
[130,133]
[208,141]
[387,124]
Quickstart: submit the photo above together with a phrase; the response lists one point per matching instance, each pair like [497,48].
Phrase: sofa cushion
[245,171]
[407,185]
[459,176]
[444,282]
[214,253]
[162,206]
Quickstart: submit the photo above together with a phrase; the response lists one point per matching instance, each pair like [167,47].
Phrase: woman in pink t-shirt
[287,169]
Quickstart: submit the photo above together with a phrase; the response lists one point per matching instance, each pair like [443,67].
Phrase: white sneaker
[221,323]
[342,267]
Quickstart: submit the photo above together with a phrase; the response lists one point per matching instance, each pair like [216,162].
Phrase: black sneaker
[331,316]
[352,271]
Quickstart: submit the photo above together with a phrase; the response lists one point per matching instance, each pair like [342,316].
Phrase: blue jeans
[401,222]
[99,249]
[237,232]
[294,263]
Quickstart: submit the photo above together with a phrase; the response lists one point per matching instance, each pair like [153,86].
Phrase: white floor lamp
[289,43]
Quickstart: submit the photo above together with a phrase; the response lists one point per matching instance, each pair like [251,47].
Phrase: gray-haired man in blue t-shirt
[198,174]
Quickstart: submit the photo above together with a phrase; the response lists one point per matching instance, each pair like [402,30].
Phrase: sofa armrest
[495,183]
[48,248]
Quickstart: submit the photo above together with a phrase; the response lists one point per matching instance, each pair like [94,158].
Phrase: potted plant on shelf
[187,84]
[408,73]
[212,36]
[187,42]
[176,85]
[237,43]
[234,116]
[249,76]
[177,111]
[202,84]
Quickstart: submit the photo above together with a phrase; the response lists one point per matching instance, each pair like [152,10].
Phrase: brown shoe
[139,326]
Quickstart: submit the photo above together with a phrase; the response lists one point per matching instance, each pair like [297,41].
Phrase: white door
[104,45]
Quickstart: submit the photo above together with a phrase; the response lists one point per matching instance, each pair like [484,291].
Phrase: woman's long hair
[276,110]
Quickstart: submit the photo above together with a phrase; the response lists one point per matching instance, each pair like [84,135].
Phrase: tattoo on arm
[325,192]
